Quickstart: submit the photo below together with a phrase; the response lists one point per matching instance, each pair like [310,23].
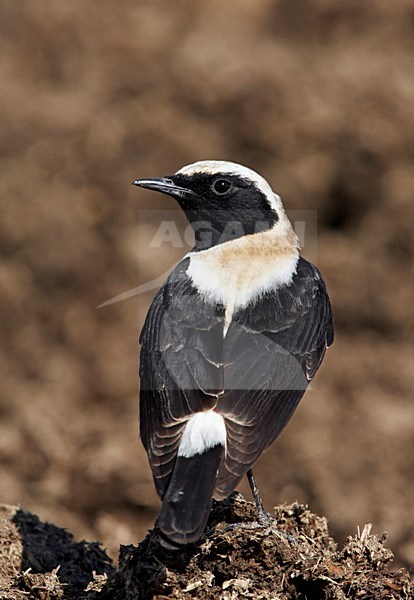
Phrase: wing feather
[255,376]
[272,350]
[180,369]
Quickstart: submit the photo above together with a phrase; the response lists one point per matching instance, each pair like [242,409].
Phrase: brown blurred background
[316,95]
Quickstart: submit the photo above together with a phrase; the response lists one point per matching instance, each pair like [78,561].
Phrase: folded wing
[272,350]
[254,377]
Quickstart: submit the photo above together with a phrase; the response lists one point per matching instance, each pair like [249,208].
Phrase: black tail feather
[187,501]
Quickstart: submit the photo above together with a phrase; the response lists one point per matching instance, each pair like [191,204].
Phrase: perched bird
[230,343]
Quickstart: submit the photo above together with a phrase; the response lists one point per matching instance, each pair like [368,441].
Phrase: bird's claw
[264,521]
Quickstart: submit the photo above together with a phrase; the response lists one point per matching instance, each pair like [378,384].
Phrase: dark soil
[294,558]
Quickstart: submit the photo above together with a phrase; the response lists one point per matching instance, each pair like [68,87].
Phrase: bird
[229,346]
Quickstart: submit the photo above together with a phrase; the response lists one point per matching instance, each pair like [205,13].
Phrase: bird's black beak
[164,185]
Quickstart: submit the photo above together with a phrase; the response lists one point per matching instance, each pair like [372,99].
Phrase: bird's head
[223,201]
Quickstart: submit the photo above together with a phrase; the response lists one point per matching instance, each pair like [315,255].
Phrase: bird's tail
[187,502]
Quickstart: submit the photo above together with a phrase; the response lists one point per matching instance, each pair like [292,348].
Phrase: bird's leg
[263,517]
[264,520]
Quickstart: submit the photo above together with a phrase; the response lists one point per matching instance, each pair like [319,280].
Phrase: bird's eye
[221,186]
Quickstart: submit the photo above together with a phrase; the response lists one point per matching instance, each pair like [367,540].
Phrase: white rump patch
[203,431]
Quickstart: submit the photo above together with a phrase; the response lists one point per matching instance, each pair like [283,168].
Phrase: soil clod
[39,560]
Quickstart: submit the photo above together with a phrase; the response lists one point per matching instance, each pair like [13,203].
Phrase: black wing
[262,367]
[180,370]
[272,350]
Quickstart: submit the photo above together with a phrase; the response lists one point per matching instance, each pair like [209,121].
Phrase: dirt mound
[294,558]
[40,560]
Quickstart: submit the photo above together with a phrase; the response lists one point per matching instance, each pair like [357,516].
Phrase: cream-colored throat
[239,271]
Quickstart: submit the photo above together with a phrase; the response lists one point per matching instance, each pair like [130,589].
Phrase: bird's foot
[286,536]
[264,521]
[263,518]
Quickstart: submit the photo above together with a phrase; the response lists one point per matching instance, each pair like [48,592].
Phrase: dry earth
[294,559]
